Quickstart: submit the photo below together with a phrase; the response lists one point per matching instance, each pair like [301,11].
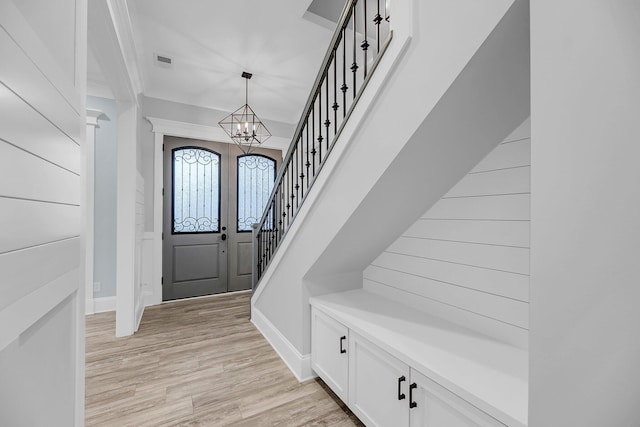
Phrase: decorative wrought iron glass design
[243,125]
[256,177]
[196,190]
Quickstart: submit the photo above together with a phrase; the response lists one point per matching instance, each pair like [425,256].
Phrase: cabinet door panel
[328,338]
[438,407]
[374,385]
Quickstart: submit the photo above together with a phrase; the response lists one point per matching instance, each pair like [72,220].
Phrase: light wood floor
[198,362]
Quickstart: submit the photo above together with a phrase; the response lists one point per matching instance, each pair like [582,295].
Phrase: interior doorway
[212,195]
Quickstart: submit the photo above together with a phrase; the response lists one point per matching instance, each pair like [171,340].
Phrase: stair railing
[359,41]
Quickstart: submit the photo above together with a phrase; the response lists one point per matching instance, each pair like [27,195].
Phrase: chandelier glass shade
[243,125]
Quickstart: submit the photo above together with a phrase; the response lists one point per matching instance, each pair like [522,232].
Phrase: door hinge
[163,235]
[162,280]
[162,147]
[163,191]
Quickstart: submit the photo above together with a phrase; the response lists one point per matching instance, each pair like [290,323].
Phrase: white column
[126,219]
[88,192]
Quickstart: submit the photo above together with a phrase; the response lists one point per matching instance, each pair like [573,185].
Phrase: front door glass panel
[196,190]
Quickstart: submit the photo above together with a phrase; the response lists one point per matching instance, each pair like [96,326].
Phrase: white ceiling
[211,42]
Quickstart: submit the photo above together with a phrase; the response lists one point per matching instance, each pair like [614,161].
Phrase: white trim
[104,304]
[298,363]
[208,133]
[124,32]
[88,203]
[25,312]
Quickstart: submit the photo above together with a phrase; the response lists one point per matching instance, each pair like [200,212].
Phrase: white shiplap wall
[42,132]
[467,258]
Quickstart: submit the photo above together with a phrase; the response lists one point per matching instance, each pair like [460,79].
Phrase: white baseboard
[89,307]
[100,305]
[299,364]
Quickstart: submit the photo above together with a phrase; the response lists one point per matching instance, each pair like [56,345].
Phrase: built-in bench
[490,375]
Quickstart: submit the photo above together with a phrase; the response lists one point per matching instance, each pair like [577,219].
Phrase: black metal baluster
[377,20]
[354,66]
[297,150]
[344,86]
[308,163]
[365,44]
[320,124]
[327,122]
[335,92]
[313,139]
[293,197]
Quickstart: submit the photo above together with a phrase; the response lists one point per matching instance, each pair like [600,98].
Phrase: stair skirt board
[298,363]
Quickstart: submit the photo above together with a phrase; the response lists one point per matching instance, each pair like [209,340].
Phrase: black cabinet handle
[400,380]
[412,404]
[342,349]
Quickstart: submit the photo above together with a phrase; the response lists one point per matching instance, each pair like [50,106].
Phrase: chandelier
[243,125]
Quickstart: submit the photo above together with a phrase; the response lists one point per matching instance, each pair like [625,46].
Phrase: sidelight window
[256,177]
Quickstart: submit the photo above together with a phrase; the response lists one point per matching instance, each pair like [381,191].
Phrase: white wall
[450,97]
[467,258]
[42,133]
[585,213]
[105,196]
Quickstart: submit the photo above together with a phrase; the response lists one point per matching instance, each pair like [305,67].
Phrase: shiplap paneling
[512,207]
[503,258]
[27,275]
[506,233]
[501,181]
[35,87]
[43,139]
[26,223]
[510,285]
[502,331]
[489,305]
[509,155]
[42,129]
[467,258]
[51,184]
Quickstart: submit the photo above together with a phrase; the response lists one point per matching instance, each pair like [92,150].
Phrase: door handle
[401,395]
[412,404]
[223,237]
[342,339]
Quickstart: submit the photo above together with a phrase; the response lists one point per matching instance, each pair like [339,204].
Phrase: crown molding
[124,32]
[208,133]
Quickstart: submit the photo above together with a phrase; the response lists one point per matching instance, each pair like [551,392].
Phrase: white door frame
[160,128]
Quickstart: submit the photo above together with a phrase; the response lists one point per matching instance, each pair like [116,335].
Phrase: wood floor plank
[197,363]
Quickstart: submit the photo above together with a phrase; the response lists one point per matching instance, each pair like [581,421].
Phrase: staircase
[452,83]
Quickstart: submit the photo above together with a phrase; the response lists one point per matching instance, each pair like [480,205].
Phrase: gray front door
[195,218]
[213,193]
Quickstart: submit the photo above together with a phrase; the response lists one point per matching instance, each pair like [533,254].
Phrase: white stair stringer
[452,85]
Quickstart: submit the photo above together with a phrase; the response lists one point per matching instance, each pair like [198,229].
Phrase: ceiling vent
[163,60]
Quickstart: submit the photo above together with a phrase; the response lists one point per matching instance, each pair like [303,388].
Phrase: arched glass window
[256,177]
[196,190]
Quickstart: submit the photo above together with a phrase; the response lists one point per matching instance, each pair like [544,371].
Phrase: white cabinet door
[329,357]
[378,385]
[436,406]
